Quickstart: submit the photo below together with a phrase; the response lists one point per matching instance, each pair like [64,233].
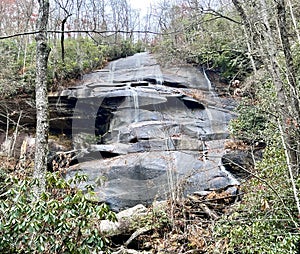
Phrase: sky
[142,4]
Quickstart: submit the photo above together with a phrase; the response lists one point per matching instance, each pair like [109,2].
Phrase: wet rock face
[130,179]
[143,132]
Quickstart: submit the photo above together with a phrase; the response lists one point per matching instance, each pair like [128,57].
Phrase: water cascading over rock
[143,132]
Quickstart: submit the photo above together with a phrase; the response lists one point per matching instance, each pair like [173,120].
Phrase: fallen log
[126,220]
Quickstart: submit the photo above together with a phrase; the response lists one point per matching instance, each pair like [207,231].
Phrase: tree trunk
[290,67]
[42,125]
[287,96]
[294,20]
[62,38]
[294,114]
[247,31]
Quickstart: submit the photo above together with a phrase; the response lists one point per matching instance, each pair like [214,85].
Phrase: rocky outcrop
[140,132]
[131,179]
[239,163]
[240,157]
[142,135]
[143,132]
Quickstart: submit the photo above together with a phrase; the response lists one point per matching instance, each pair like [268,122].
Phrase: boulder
[125,220]
[239,163]
[128,180]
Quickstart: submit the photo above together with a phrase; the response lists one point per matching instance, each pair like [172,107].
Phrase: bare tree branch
[218,14]
[268,185]
[87,31]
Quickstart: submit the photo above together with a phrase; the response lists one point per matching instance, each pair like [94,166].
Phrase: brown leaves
[291,122]
[235,145]
[197,236]
[191,223]
[264,205]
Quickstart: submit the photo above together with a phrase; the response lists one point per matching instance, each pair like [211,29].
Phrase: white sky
[142,4]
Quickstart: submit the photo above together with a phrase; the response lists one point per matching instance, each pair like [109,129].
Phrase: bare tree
[65,7]
[42,125]
[270,27]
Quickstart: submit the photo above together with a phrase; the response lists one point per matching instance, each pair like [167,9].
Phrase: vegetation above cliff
[82,55]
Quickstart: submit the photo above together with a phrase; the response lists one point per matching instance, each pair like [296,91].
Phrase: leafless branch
[137,233]
[87,31]
[218,14]
[269,185]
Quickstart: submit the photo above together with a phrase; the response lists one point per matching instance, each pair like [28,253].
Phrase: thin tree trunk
[42,125]
[247,31]
[290,67]
[62,38]
[293,90]
[250,51]
[287,96]
[290,168]
[294,20]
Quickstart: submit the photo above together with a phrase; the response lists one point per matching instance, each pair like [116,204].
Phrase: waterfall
[135,98]
[215,117]
[112,68]
[209,112]
[158,75]
[209,85]
[119,136]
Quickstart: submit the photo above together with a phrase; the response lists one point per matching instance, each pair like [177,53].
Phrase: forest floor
[185,226]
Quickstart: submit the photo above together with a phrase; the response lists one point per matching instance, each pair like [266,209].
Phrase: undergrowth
[266,220]
[63,220]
